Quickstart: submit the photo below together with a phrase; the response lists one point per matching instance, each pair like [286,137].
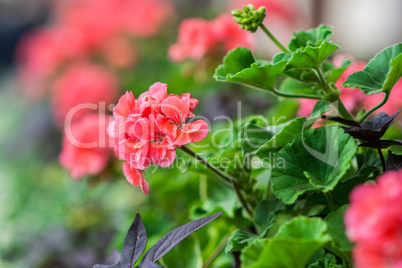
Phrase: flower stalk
[224,178]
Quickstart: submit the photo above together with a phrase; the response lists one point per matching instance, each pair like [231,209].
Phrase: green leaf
[314,161]
[253,137]
[251,254]
[292,247]
[293,86]
[284,133]
[265,213]
[304,63]
[396,149]
[309,38]
[329,261]
[235,61]
[320,108]
[281,57]
[240,67]
[184,255]
[333,74]
[336,228]
[380,74]
[311,57]
[261,77]
[238,240]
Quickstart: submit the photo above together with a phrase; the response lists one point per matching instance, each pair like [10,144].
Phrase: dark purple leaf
[341,120]
[133,246]
[380,121]
[171,239]
[394,162]
[380,144]
[149,265]
[371,130]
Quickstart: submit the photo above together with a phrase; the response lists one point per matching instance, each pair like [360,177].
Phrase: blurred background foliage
[48,220]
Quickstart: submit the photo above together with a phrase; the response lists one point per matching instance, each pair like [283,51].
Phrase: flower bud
[249,18]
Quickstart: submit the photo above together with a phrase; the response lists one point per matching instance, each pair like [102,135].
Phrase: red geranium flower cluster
[199,38]
[148,130]
[374,222]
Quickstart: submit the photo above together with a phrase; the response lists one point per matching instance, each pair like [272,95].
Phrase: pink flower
[149,129]
[199,38]
[39,55]
[195,39]
[374,222]
[87,29]
[144,18]
[229,34]
[91,18]
[176,111]
[86,84]
[119,52]
[86,146]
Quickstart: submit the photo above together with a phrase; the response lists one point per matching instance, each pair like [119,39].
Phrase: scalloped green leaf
[311,57]
[240,67]
[265,213]
[284,133]
[304,62]
[311,37]
[235,61]
[292,247]
[253,137]
[396,149]
[238,240]
[261,77]
[332,74]
[380,74]
[316,160]
[329,261]
[293,86]
[336,228]
[251,254]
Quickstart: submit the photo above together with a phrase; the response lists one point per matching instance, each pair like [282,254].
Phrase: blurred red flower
[86,84]
[88,30]
[374,222]
[198,38]
[86,146]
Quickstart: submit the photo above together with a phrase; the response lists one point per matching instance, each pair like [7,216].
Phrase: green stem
[223,177]
[343,111]
[216,252]
[382,159]
[270,35]
[330,200]
[323,81]
[375,108]
[301,96]
[227,179]
[326,87]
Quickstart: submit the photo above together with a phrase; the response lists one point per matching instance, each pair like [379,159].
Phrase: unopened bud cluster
[249,18]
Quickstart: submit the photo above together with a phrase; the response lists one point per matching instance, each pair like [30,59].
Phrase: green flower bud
[249,18]
[237,13]
[248,8]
